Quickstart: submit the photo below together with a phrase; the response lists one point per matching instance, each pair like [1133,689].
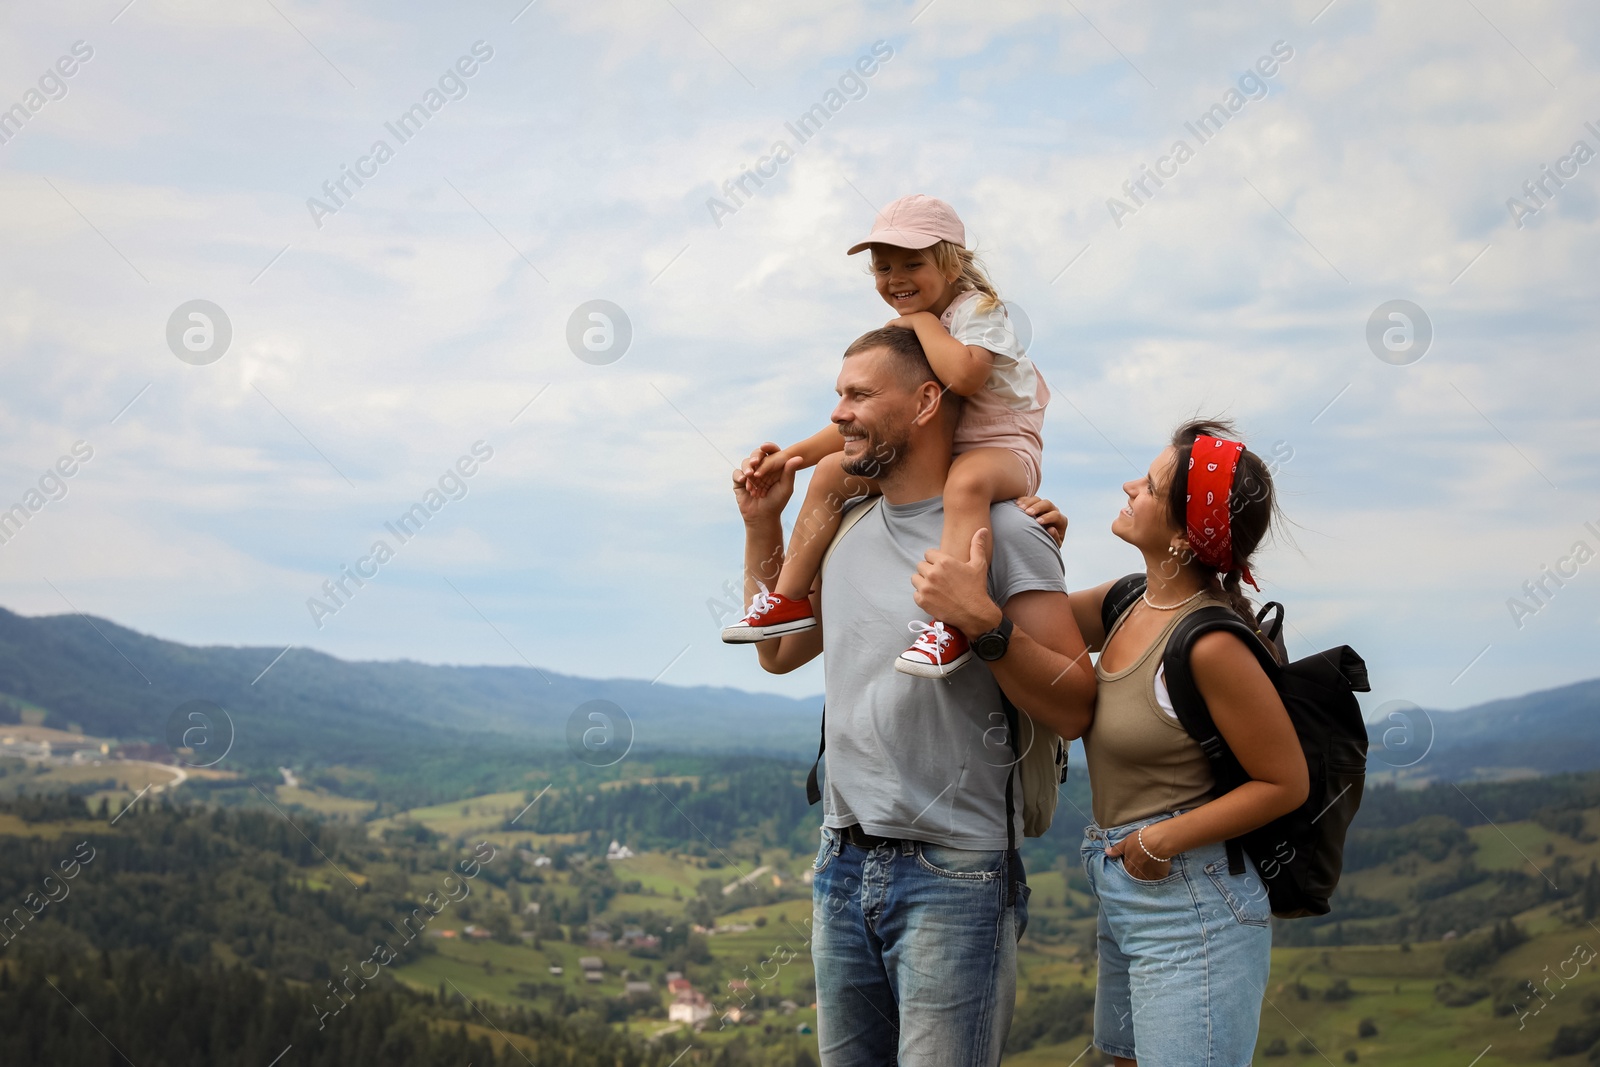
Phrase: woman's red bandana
[1212,462]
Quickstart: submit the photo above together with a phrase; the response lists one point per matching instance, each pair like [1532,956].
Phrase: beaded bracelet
[1139,836]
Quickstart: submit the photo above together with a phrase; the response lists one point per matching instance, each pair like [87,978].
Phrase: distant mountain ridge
[311,703]
[314,705]
[1551,731]
[1545,732]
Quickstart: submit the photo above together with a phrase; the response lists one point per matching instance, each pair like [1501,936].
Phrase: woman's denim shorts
[1183,960]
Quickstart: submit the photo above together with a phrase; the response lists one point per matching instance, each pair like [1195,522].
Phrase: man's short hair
[910,361]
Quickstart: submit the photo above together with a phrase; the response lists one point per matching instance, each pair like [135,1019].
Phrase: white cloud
[410,325]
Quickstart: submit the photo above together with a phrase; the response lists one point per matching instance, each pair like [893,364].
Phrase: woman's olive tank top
[1142,763]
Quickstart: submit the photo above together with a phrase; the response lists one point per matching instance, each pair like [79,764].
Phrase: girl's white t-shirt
[1013,379]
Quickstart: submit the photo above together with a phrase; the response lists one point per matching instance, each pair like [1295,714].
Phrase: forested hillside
[204,938]
[312,709]
[110,681]
[450,933]
[402,864]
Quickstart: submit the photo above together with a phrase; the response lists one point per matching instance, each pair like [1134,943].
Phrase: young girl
[925,272]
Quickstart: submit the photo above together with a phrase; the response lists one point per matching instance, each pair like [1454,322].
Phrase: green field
[1451,909]
[1320,1002]
[1393,989]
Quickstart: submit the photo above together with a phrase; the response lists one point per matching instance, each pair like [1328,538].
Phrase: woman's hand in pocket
[1137,862]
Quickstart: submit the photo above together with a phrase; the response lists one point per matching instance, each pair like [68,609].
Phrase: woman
[1184,946]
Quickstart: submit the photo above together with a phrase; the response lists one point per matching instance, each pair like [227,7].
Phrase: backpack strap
[1190,706]
[1272,632]
[1013,860]
[1119,598]
[851,516]
[813,792]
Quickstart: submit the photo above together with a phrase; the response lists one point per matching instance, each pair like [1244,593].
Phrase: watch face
[992,644]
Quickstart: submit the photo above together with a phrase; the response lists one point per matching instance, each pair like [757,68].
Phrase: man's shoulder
[1026,557]
[856,503]
[851,515]
[854,540]
[1012,525]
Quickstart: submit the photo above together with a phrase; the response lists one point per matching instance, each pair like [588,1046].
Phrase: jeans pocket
[1020,915]
[1245,894]
[967,865]
[825,853]
[1174,872]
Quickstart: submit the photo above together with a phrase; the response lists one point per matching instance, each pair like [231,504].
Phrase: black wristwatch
[992,644]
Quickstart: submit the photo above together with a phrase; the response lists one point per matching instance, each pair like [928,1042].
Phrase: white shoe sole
[923,669]
[749,635]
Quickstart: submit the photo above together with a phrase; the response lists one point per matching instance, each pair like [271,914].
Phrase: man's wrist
[988,618]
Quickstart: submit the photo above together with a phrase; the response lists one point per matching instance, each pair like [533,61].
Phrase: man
[917,900]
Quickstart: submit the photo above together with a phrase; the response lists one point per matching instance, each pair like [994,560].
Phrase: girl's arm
[814,449]
[964,368]
[1252,720]
[760,471]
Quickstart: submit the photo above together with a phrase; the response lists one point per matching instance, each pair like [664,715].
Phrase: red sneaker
[937,651]
[770,615]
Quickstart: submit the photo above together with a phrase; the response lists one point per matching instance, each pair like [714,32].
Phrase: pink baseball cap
[915,221]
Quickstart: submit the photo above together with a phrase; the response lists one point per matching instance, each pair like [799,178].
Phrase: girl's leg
[786,608]
[816,523]
[976,480]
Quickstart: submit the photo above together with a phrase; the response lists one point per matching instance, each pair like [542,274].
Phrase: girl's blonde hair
[966,270]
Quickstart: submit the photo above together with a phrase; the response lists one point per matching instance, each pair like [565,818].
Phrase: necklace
[1145,596]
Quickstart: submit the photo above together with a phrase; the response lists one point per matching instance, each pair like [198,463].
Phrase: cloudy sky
[379,333]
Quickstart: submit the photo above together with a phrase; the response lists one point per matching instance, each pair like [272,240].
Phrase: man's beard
[882,453]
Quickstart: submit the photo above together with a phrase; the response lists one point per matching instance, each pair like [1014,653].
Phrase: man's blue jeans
[915,952]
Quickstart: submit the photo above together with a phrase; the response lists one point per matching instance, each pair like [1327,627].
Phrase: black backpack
[1299,855]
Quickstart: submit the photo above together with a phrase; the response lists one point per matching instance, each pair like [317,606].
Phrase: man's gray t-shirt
[918,758]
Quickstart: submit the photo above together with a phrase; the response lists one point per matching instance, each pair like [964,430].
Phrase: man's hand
[766,505]
[1045,514]
[957,591]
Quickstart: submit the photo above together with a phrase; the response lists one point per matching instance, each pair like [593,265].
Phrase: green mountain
[111,681]
[1547,732]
